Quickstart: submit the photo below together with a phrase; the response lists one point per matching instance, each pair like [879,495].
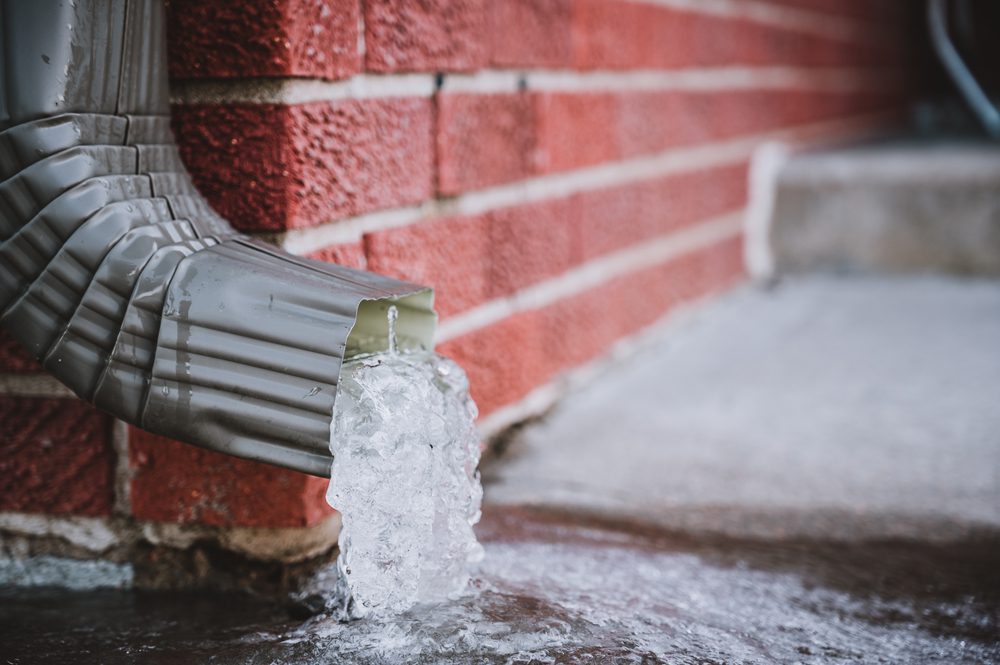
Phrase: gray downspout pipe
[126,285]
[984,110]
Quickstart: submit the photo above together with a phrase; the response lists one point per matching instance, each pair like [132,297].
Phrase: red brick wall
[563,172]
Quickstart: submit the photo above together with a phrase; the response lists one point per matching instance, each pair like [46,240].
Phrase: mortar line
[33,385]
[761,11]
[291,91]
[763,77]
[123,468]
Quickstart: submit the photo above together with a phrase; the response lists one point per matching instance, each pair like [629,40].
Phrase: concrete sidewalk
[843,408]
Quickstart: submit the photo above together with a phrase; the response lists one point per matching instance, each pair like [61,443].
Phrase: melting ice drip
[404,479]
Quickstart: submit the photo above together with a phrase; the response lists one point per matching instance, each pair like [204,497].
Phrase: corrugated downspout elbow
[128,287]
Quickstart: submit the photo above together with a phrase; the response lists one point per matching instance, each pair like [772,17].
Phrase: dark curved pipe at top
[126,285]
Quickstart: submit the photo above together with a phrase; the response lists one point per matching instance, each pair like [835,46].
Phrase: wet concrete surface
[567,589]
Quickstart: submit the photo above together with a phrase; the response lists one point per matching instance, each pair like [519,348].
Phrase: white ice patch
[404,479]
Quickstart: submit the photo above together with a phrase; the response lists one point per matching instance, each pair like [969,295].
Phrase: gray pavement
[824,407]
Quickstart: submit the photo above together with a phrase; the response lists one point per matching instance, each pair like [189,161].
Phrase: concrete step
[893,208]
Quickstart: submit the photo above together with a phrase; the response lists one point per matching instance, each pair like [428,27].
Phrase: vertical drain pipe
[984,110]
[126,285]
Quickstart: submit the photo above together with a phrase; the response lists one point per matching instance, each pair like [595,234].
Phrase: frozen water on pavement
[559,589]
[554,590]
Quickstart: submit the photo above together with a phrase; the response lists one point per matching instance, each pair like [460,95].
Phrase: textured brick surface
[614,218]
[346,254]
[177,482]
[425,35]
[441,35]
[55,457]
[621,35]
[532,242]
[507,360]
[484,140]
[451,254]
[237,38]
[531,33]
[504,361]
[13,357]
[469,260]
[580,129]
[272,167]
[472,259]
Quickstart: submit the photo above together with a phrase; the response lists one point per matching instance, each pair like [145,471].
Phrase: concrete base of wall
[898,207]
[87,553]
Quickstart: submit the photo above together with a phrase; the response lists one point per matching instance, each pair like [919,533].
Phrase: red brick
[240,38]
[452,255]
[504,361]
[620,307]
[627,35]
[470,260]
[532,33]
[617,217]
[623,35]
[532,242]
[274,167]
[507,360]
[351,255]
[575,129]
[425,35]
[177,482]
[55,457]
[582,129]
[13,357]
[484,140]
[633,35]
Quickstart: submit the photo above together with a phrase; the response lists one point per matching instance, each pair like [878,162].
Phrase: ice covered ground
[804,475]
[554,589]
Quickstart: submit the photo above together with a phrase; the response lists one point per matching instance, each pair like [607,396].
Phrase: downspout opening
[414,326]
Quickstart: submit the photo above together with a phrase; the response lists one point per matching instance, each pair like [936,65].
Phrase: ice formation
[404,479]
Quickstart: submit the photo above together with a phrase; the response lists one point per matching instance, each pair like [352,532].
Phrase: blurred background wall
[563,172]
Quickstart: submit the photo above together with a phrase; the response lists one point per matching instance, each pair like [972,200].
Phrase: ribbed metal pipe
[126,285]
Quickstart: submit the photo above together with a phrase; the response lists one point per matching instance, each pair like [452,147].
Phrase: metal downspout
[126,285]
[961,75]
